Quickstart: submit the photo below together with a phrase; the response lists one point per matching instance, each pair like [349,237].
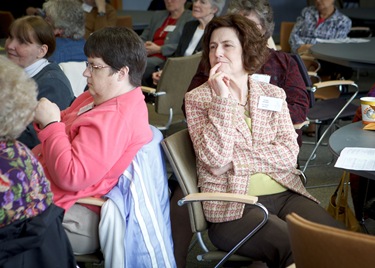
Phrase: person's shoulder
[187,15]
[53,70]
[267,89]
[278,54]
[192,23]
[309,9]
[279,58]
[198,92]
[160,13]
[340,16]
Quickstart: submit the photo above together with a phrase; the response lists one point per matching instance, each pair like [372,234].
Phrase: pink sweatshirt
[86,152]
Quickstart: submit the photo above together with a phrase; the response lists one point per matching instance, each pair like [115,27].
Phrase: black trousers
[271,243]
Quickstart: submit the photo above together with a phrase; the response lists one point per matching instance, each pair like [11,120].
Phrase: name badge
[170,28]
[269,103]
[261,77]
[86,108]
[87,8]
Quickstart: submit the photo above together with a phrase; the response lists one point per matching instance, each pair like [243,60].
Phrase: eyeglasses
[93,67]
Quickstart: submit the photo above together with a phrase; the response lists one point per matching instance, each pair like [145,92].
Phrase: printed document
[355,158]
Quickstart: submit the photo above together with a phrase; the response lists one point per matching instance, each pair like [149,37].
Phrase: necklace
[247,99]
[243,105]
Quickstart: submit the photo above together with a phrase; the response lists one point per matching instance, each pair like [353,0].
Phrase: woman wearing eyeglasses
[31,41]
[85,148]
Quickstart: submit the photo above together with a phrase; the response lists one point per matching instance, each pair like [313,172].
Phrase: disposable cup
[368,110]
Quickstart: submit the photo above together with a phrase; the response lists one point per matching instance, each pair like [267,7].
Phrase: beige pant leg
[112,233]
[81,226]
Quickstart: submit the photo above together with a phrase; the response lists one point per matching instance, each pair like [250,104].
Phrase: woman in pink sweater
[85,148]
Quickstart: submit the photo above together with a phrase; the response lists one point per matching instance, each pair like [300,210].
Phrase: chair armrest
[96,201]
[148,90]
[334,83]
[300,125]
[227,197]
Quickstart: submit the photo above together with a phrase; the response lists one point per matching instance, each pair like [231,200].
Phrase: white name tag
[170,28]
[86,108]
[261,77]
[87,8]
[269,103]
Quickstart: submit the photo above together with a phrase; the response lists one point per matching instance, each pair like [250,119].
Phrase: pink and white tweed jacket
[220,135]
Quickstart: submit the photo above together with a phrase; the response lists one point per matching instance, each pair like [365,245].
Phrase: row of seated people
[38,45]
[70,154]
[83,152]
[97,13]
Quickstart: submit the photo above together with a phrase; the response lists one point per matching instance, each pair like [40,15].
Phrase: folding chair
[171,89]
[180,153]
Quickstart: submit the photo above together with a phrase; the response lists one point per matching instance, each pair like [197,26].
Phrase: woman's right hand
[219,81]
[46,112]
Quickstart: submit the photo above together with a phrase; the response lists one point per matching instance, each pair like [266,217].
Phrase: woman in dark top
[30,43]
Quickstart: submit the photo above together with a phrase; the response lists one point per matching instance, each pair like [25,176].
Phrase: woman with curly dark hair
[245,143]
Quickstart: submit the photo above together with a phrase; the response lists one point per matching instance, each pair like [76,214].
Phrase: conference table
[353,135]
[354,55]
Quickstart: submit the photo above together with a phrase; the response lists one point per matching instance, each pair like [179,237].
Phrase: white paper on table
[343,40]
[356,158]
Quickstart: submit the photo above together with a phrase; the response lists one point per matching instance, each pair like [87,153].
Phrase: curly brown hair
[254,44]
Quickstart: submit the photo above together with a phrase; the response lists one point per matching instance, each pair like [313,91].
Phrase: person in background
[30,43]
[245,146]
[280,68]
[321,21]
[98,14]
[85,148]
[162,35]
[191,38]
[28,216]
[68,22]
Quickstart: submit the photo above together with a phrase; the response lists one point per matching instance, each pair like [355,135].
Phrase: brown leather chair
[124,21]
[285,30]
[316,245]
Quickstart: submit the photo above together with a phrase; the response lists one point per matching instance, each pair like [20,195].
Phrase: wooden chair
[285,30]
[124,21]
[316,245]
[180,153]
[117,4]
